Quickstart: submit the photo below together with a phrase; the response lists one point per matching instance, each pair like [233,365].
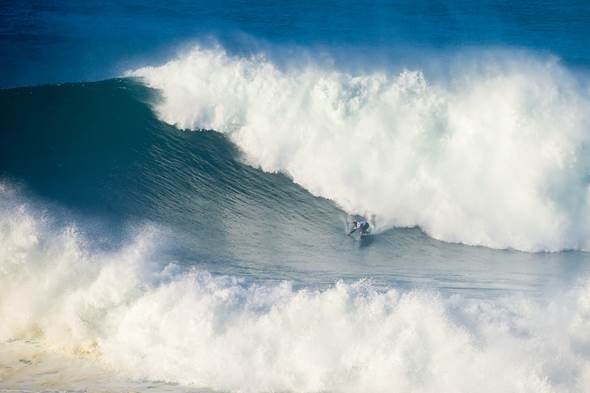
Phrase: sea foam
[141,316]
[493,154]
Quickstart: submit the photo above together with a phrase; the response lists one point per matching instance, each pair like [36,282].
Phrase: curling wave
[494,154]
[134,313]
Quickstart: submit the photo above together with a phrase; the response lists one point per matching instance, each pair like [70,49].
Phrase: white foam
[494,154]
[154,321]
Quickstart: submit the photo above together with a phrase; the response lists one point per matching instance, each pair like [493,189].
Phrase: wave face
[493,154]
[133,312]
[98,150]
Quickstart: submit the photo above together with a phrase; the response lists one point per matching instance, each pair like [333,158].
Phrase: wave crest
[493,155]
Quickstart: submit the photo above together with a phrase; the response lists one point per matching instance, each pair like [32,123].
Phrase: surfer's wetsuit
[363,226]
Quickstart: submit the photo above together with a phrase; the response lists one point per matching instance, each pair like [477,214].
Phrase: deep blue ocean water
[177,180]
[70,41]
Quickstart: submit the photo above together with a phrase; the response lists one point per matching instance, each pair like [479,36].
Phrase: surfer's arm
[352,231]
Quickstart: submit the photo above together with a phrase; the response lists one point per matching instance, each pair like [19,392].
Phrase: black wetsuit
[362,225]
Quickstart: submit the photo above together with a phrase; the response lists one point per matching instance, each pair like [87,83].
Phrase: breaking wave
[493,154]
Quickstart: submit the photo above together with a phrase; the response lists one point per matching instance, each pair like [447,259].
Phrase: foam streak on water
[135,313]
[492,154]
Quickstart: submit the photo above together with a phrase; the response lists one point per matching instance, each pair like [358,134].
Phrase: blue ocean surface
[178,181]
[70,41]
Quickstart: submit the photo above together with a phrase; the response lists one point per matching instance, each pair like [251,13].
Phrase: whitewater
[490,152]
[131,310]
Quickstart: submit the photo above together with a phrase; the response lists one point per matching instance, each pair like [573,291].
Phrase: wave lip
[494,155]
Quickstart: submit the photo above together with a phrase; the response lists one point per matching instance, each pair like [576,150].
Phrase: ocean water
[176,183]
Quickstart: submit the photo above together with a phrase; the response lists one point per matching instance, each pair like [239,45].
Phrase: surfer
[360,225]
